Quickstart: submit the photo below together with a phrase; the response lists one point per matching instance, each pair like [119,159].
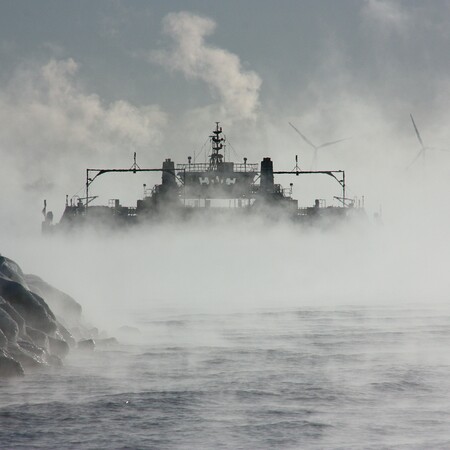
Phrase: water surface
[347,377]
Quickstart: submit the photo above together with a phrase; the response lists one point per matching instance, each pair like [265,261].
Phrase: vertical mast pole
[343,185]
[87,190]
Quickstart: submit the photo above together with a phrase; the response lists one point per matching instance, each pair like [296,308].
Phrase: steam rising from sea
[241,265]
[247,335]
[303,377]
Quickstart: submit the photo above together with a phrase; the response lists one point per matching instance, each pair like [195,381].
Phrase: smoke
[237,89]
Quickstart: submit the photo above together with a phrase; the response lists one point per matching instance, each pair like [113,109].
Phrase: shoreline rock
[36,320]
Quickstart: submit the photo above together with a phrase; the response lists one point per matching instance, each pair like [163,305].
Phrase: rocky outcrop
[35,322]
[29,305]
[86,344]
[9,367]
[63,305]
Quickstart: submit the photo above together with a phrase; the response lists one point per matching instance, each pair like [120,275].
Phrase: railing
[118,209]
[204,167]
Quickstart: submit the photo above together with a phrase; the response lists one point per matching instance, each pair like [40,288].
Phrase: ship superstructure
[214,187]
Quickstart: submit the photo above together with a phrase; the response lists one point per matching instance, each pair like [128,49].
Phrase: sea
[335,377]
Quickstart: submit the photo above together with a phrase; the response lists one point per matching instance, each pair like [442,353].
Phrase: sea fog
[254,264]
[244,335]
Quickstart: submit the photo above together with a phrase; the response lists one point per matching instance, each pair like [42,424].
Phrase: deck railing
[204,167]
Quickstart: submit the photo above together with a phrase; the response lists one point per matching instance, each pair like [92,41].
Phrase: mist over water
[235,265]
[244,263]
[246,334]
[306,377]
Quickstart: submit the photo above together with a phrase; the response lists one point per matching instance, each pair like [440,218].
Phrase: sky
[87,84]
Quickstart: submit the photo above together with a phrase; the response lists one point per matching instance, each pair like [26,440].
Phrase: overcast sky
[383,47]
[87,83]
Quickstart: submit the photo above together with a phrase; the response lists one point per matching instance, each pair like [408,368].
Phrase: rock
[93,333]
[14,315]
[86,344]
[3,340]
[44,305]
[30,306]
[28,357]
[83,331]
[58,347]
[8,326]
[35,319]
[76,333]
[11,270]
[65,334]
[9,367]
[32,349]
[61,303]
[38,337]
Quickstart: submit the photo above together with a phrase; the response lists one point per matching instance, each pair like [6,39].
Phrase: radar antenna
[217,139]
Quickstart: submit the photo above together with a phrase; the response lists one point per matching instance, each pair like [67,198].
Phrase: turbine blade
[438,149]
[417,131]
[416,158]
[303,137]
[326,144]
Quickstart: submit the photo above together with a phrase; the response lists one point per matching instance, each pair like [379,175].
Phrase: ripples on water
[341,378]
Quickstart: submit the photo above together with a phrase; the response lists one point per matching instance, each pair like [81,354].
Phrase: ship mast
[216,143]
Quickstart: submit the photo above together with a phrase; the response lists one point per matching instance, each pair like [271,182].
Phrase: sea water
[328,377]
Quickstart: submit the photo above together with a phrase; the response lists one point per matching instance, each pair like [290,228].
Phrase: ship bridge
[217,179]
[225,166]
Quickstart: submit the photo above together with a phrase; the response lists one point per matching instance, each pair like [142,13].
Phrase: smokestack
[168,175]
[267,185]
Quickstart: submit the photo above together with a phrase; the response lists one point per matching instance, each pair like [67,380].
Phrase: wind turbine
[423,149]
[315,147]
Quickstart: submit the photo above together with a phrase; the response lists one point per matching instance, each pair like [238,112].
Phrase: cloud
[52,129]
[48,119]
[237,89]
[387,13]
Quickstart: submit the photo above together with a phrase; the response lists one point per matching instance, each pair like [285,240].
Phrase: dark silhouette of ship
[216,188]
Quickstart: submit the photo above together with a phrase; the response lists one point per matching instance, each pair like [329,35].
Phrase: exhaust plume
[237,89]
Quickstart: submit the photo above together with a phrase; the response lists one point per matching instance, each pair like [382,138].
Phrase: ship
[217,188]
